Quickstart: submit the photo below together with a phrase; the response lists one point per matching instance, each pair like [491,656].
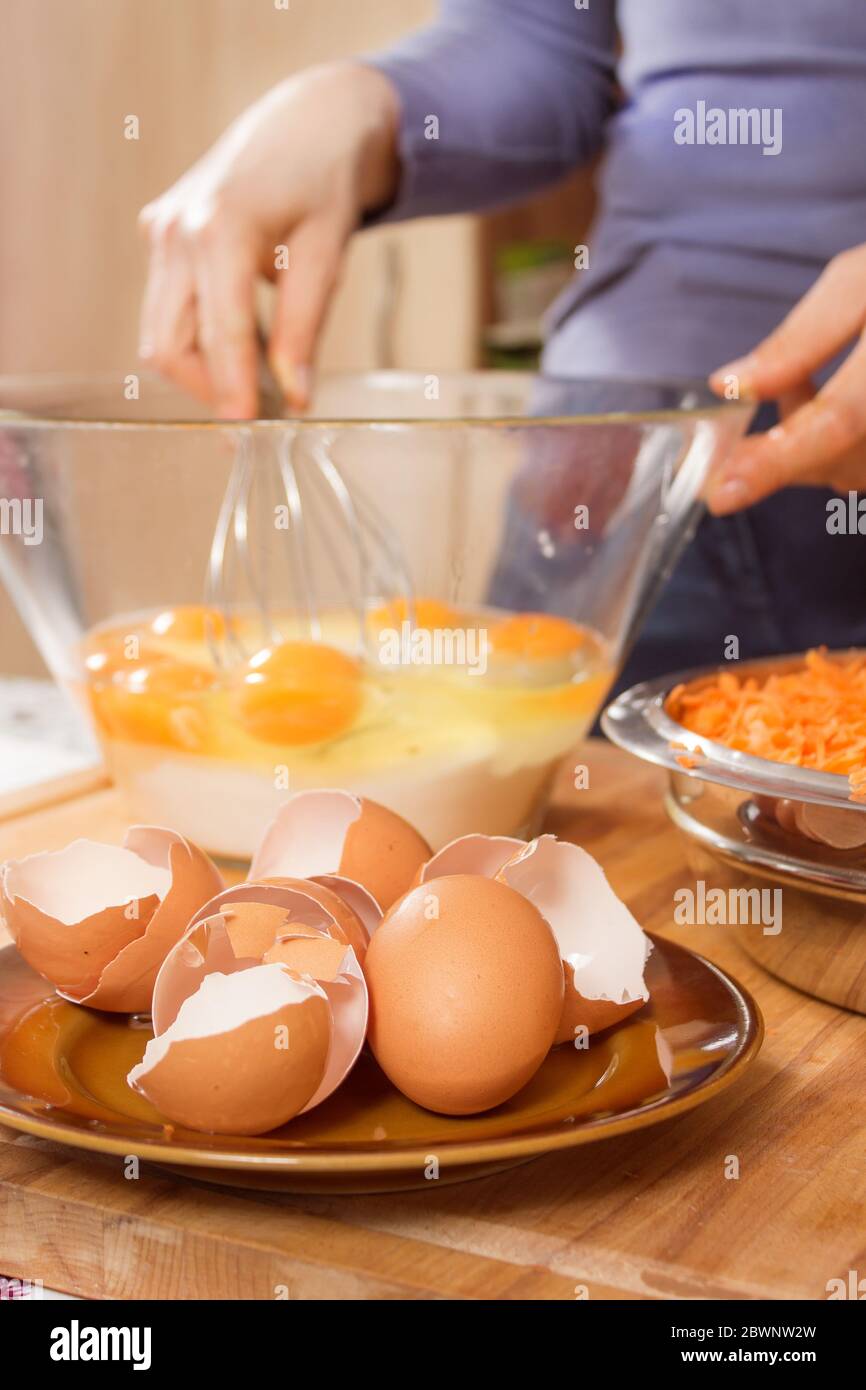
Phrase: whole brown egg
[466,990]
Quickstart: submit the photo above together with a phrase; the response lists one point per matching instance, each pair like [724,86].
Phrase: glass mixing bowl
[420,591]
[754,827]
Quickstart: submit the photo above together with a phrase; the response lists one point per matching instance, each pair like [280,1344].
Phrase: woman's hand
[278,195]
[822,435]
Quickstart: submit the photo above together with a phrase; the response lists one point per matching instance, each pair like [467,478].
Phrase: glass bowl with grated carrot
[787,733]
[767,786]
[813,716]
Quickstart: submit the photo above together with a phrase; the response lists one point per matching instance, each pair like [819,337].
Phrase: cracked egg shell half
[604,951]
[471,854]
[245,1053]
[98,920]
[332,832]
[466,989]
[239,939]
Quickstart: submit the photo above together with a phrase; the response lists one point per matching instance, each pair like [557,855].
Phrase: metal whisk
[285,477]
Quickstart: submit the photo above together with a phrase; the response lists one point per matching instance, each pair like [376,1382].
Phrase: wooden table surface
[651,1215]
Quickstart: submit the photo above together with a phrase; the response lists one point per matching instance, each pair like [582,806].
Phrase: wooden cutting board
[651,1215]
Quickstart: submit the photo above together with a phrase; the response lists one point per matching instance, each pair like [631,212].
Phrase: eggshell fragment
[244,934]
[304,901]
[311,954]
[603,949]
[246,1052]
[466,988]
[253,930]
[338,973]
[349,999]
[236,930]
[356,897]
[205,949]
[348,924]
[98,920]
[318,833]
[72,944]
[471,854]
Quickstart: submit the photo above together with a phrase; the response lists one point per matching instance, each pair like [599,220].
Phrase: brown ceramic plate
[63,1070]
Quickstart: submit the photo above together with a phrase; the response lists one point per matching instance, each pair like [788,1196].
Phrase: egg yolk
[157,703]
[535,637]
[423,613]
[189,623]
[299,692]
[104,655]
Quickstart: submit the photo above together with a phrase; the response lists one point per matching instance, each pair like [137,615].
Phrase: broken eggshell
[340,976]
[245,1053]
[471,854]
[98,920]
[603,949]
[305,901]
[245,934]
[602,945]
[332,832]
[356,897]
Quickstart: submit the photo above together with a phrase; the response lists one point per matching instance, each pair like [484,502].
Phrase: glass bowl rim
[638,722]
[710,408]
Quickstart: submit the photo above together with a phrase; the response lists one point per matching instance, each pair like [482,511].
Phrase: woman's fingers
[167,331]
[198,314]
[225,274]
[820,325]
[820,438]
[305,285]
[298,168]
[789,401]
[198,320]
[810,446]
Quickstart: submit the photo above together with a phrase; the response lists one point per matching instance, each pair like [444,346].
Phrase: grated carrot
[813,717]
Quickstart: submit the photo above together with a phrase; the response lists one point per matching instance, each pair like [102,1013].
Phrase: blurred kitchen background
[433,295]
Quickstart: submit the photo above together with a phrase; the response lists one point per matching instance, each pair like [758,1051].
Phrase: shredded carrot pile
[812,717]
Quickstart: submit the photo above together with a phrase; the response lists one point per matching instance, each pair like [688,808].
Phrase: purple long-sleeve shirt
[704,240]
